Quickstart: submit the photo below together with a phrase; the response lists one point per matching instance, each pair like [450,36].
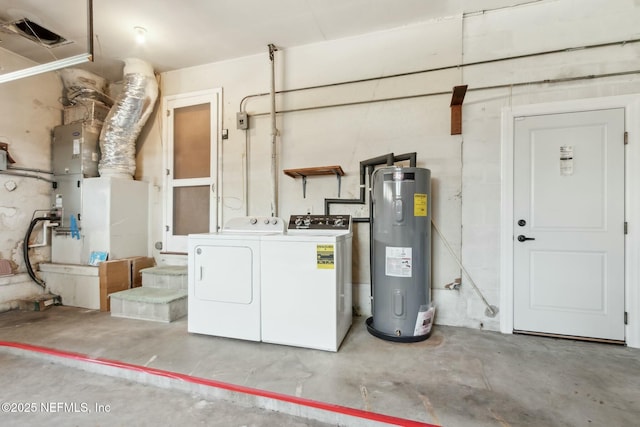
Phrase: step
[156,304]
[165,277]
[77,285]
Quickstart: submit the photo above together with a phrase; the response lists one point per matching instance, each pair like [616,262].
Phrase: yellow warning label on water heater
[419,204]
[325,257]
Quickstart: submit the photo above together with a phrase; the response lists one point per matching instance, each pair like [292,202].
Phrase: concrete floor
[458,377]
[101,400]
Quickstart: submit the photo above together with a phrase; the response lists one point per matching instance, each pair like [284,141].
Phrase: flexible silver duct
[79,86]
[126,119]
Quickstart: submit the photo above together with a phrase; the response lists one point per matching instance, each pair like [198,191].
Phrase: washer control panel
[255,224]
[320,222]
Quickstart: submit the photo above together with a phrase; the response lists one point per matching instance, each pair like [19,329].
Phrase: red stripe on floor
[222,385]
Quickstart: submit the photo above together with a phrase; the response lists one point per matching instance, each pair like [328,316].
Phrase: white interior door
[569,224]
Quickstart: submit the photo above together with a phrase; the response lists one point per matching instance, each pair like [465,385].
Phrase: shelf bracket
[315,171]
[456,109]
[304,186]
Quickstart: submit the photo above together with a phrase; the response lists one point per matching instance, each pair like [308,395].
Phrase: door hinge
[168,113]
[168,172]
[626,227]
[626,138]
[626,318]
[166,228]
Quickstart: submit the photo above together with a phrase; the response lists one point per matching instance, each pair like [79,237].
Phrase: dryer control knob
[274,221]
[266,221]
[253,221]
[338,222]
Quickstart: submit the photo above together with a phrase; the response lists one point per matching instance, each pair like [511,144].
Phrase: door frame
[631,104]
[215,95]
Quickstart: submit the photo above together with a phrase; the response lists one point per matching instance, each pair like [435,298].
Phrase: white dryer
[306,282]
[224,278]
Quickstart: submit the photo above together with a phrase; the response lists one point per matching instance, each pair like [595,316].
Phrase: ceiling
[194,32]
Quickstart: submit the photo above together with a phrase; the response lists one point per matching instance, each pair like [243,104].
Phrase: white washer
[306,283]
[224,278]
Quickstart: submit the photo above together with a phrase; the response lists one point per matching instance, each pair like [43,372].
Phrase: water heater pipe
[367,166]
[45,233]
[274,134]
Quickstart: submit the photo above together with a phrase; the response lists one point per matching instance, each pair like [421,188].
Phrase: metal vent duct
[35,33]
[37,42]
[53,35]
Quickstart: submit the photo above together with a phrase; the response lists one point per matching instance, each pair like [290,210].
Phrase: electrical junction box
[3,160]
[242,121]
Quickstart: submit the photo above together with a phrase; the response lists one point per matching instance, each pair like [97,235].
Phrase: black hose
[25,249]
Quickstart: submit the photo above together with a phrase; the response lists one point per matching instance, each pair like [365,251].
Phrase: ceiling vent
[35,32]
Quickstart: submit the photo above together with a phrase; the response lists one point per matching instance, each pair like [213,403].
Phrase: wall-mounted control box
[242,121]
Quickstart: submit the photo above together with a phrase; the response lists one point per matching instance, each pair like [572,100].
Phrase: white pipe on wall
[274,134]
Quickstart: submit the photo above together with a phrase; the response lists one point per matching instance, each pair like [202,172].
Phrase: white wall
[28,112]
[465,168]
[545,26]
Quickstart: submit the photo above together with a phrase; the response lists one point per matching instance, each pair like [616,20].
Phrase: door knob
[522,238]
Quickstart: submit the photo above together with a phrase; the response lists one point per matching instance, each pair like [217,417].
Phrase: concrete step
[165,277]
[156,304]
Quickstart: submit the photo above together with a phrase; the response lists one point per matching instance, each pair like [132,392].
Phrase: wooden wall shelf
[315,171]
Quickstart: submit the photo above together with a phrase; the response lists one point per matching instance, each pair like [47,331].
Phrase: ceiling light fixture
[141,34]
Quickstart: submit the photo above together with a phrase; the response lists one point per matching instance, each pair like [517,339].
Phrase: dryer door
[223,274]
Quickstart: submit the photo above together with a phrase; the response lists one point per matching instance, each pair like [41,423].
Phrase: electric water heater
[401,254]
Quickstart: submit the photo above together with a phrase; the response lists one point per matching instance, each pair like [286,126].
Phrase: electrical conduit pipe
[274,134]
